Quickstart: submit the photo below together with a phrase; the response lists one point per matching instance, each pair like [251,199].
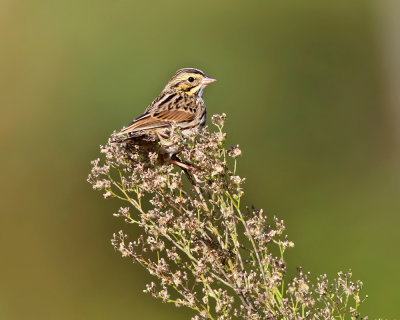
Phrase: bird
[179,104]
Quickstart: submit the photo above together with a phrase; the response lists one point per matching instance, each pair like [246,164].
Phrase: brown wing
[160,119]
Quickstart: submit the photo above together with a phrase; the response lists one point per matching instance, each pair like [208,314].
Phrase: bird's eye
[190,79]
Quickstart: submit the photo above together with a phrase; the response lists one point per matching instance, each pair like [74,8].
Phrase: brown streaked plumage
[180,103]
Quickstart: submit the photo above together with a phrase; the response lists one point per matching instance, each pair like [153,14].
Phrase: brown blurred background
[311,89]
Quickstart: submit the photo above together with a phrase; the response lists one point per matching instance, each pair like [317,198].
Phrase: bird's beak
[207,81]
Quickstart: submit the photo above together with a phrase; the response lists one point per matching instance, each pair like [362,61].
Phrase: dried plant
[204,251]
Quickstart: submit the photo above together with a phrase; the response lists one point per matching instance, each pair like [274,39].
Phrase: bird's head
[189,82]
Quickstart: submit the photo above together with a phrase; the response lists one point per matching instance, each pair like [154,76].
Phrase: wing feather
[161,119]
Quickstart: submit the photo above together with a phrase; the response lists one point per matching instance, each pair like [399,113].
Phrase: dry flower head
[204,250]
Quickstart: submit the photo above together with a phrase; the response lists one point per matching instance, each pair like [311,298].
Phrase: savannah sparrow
[179,104]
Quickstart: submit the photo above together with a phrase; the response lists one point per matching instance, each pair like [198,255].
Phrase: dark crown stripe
[190,70]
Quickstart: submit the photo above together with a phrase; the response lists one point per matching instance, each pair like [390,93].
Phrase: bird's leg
[182,165]
[189,170]
[186,168]
[176,161]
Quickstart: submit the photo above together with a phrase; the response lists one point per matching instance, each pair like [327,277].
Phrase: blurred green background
[311,92]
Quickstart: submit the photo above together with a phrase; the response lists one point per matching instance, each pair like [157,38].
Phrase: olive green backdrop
[310,92]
